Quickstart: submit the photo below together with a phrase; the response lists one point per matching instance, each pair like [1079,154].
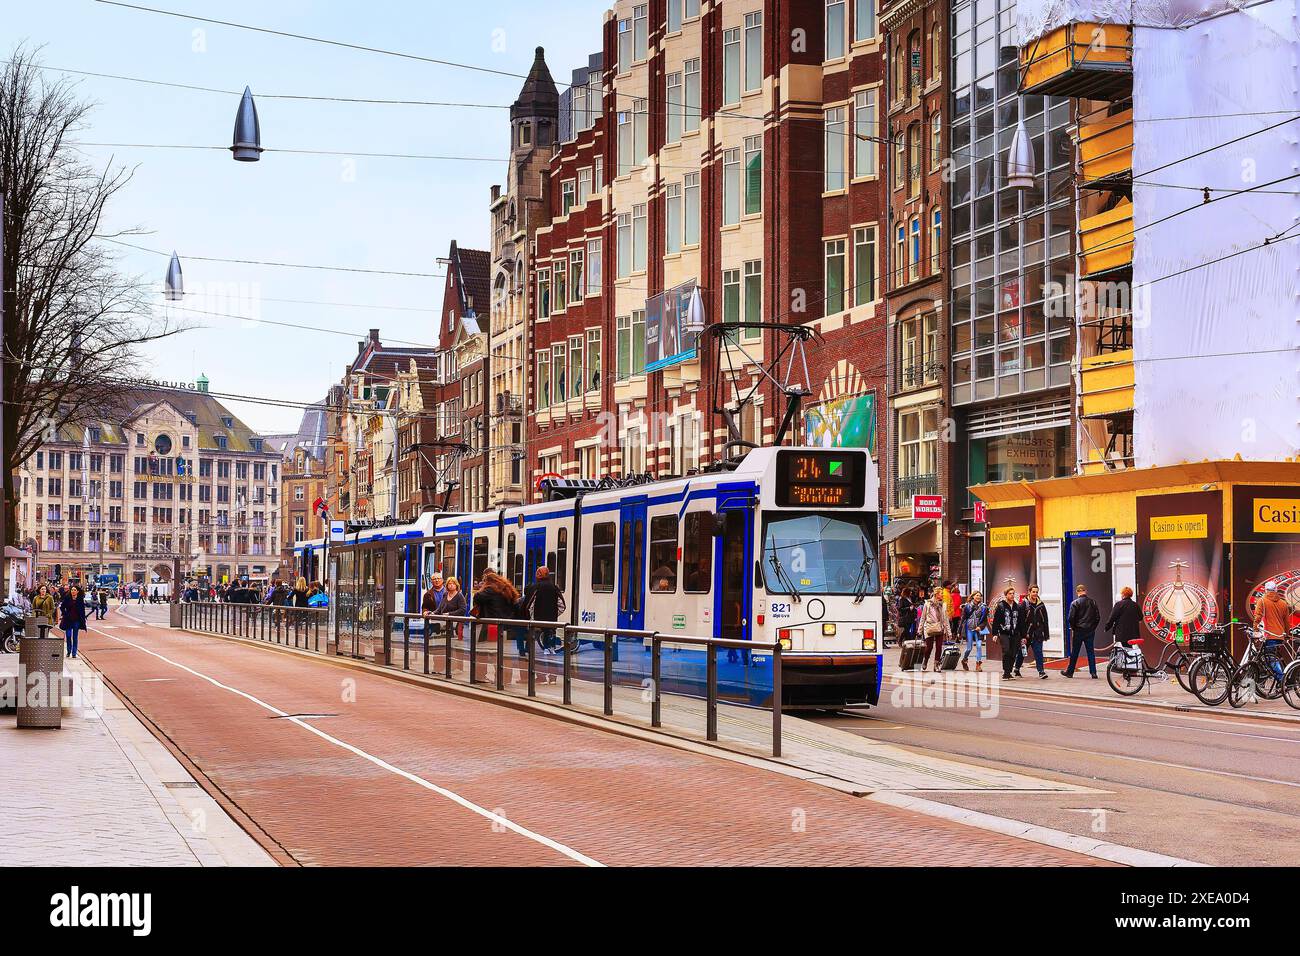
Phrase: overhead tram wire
[284,265]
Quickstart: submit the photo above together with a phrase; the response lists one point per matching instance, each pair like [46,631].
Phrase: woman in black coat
[72,617]
[1125,618]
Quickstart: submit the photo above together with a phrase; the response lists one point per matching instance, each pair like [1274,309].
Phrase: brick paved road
[397,774]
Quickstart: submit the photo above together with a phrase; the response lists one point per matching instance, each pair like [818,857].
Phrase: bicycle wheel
[1125,681]
[1209,678]
[1270,685]
[1291,684]
[1181,665]
[1244,687]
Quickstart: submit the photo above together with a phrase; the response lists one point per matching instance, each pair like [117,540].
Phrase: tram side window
[602,557]
[480,560]
[697,552]
[561,568]
[518,571]
[663,554]
[509,570]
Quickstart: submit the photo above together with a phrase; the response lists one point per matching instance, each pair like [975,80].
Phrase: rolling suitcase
[951,655]
[912,655]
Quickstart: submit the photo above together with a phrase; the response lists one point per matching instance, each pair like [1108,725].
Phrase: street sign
[927,506]
[981,513]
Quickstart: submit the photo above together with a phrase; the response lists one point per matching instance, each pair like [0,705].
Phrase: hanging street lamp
[247,143]
[1020,159]
[174,284]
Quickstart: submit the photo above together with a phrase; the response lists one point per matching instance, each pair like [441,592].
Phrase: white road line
[378,762]
[1181,766]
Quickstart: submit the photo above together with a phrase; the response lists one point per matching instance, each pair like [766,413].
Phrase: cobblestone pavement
[336,766]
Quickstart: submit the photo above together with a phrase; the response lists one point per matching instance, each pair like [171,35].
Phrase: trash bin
[40,676]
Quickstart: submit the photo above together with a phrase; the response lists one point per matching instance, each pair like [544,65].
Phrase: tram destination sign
[820,479]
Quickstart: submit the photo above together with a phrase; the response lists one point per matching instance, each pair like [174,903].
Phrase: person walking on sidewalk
[1082,620]
[975,625]
[1272,615]
[1008,618]
[955,608]
[44,605]
[906,615]
[542,601]
[1037,629]
[1124,618]
[72,617]
[935,626]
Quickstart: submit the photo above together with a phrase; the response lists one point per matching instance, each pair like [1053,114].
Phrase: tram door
[465,560]
[735,562]
[631,565]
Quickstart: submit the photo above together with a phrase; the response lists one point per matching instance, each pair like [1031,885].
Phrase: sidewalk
[1157,693]
[102,791]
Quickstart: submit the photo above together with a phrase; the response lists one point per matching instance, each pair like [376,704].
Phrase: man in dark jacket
[1008,622]
[1125,619]
[1037,628]
[543,601]
[1083,619]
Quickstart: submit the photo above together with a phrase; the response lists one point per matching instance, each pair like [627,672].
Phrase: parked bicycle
[1210,675]
[1256,677]
[1291,676]
[1127,671]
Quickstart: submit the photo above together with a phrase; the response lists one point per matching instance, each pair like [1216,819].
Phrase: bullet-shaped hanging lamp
[1020,159]
[247,145]
[174,284]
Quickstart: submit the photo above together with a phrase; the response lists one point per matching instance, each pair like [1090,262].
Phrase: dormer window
[257,444]
[227,421]
[221,441]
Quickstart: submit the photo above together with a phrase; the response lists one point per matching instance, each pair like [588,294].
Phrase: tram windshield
[820,554]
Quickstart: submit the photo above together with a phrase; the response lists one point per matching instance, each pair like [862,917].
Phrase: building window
[753,175]
[918,351]
[917,454]
[692,9]
[753,52]
[595,264]
[691,214]
[575,366]
[673,106]
[640,31]
[731,65]
[593,359]
[936,238]
[673,218]
[900,255]
[624,230]
[914,258]
[584,186]
[731,298]
[691,69]
[864,265]
[936,52]
[865,140]
[598,174]
[543,379]
[753,293]
[730,187]
[633,451]
[576,281]
[834,276]
[936,140]
[638,238]
[559,381]
[630,345]
[674,15]
[834,140]
[864,20]
[569,195]
[834,29]
[900,162]
[561,285]
[625,56]
[625,161]
[640,131]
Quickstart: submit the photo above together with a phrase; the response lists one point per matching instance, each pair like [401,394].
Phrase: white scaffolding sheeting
[1217,349]
[1037,18]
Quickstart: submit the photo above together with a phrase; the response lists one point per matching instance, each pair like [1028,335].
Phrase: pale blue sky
[392,214]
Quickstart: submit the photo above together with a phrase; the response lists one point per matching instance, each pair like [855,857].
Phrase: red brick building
[729,163]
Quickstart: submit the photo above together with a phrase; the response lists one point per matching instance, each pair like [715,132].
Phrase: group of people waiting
[1021,625]
[277,593]
[494,597]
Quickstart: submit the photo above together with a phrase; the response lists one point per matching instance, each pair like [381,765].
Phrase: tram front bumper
[830,680]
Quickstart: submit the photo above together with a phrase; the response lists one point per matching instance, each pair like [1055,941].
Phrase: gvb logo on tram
[779,547]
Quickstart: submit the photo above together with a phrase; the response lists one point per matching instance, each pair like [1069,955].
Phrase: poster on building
[1265,548]
[848,422]
[668,340]
[1009,560]
[1179,544]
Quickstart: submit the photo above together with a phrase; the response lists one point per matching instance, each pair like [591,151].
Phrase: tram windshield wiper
[860,585]
[781,574]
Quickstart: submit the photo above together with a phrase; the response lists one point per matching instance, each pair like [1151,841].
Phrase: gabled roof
[207,414]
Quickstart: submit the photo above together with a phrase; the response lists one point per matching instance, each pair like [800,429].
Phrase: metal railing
[300,627]
[436,645]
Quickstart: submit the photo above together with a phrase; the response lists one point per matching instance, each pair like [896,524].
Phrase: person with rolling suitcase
[934,627]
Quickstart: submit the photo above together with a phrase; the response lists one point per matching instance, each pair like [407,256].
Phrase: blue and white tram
[782,547]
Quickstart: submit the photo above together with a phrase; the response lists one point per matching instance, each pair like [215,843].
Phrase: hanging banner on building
[668,338]
[848,422]
[1266,547]
[1010,557]
[1179,546]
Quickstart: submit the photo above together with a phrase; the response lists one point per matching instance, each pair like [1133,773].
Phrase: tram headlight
[828,630]
[788,635]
